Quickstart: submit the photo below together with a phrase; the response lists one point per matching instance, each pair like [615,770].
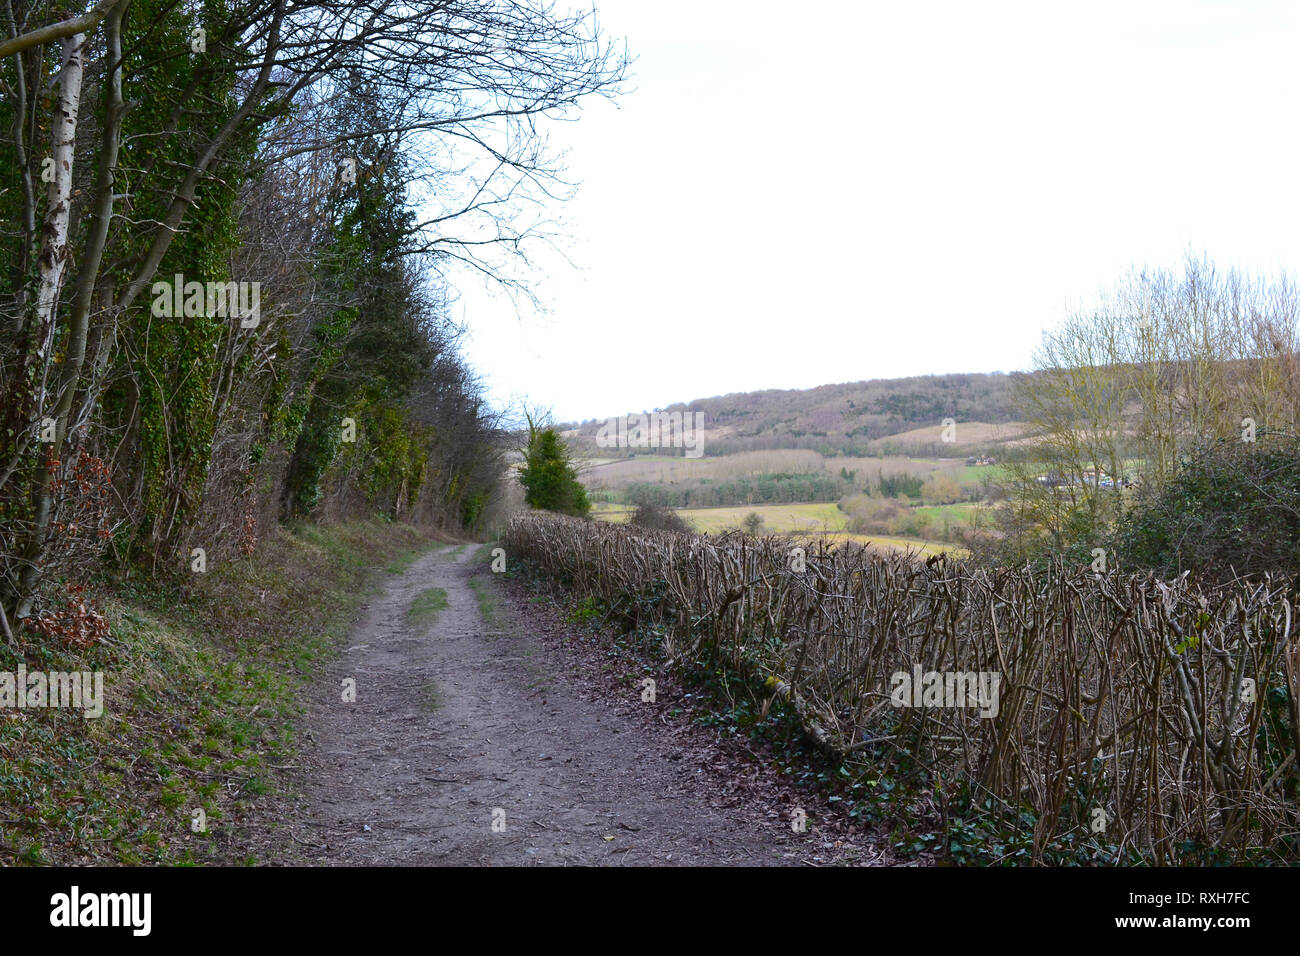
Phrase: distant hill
[881,416]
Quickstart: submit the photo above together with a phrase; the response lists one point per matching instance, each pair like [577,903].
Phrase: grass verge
[203,678]
[424,609]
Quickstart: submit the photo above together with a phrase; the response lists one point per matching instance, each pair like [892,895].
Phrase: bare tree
[463,86]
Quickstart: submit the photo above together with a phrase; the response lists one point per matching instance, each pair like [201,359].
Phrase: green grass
[403,560]
[488,603]
[609,511]
[894,543]
[203,683]
[483,556]
[975,474]
[424,609]
[814,516]
[433,697]
[960,513]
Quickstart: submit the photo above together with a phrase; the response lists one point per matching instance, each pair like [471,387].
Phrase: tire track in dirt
[457,718]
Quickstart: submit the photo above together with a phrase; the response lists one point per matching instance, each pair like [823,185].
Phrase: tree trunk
[51,264]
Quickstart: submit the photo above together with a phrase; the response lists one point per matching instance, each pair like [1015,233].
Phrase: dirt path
[456,721]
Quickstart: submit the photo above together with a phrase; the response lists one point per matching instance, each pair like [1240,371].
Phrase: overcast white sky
[794,195]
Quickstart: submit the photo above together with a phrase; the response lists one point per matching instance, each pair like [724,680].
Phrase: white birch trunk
[54,232]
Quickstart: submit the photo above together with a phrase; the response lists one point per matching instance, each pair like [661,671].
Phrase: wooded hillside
[847,419]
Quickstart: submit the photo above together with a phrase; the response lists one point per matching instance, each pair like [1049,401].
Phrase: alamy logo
[242,300]
[82,690]
[657,430]
[103,909]
[947,689]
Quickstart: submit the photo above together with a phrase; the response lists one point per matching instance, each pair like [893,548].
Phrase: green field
[957,468]
[810,519]
[605,511]
[957,514]
[776,518]
[886,542]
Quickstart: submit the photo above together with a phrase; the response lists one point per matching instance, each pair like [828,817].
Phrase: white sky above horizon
[785,200]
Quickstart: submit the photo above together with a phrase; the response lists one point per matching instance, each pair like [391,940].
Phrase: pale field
[615,474]
[867,469]
[605,511]
[603,474]
[965,433]
[960,513]
[885,543]
[776,518]
[822,520]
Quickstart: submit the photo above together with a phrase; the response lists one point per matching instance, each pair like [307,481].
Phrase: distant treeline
[897,486]
[760,489]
